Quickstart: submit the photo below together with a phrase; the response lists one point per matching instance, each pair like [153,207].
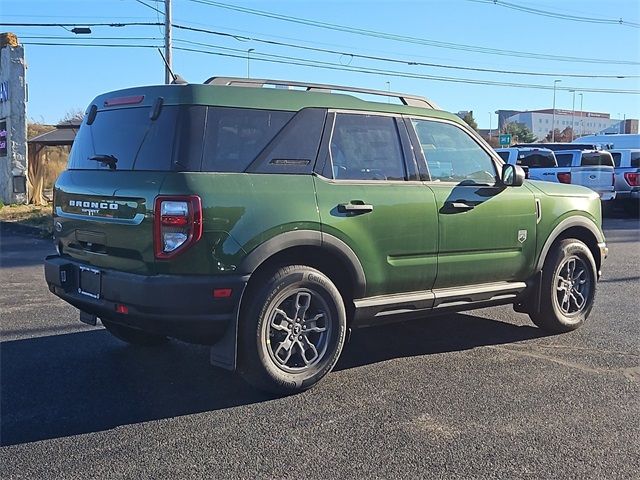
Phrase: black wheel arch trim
[566,224]
[308,238]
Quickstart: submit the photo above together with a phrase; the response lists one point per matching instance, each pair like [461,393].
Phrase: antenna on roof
[177,79]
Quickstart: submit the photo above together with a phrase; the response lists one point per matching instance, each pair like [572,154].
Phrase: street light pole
[249,53]
[553,121]
[581,115]
[573,116]
[168,78]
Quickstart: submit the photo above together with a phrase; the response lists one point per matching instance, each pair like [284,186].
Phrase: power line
[114,45]
[149,6]
[561,16]
[409,39]
[125,24]
[72,39]
[392,60]
[281,59]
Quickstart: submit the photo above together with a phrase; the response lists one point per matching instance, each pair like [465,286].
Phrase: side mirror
[512,175]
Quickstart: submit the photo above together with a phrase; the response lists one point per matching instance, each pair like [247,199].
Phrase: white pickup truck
[590,168]
[540,163]
[627,162]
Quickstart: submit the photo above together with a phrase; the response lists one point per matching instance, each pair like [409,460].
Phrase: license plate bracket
[89,282]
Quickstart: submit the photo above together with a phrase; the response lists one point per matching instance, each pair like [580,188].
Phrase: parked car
[627,172]
[539,163]
[590,168]
[268,222]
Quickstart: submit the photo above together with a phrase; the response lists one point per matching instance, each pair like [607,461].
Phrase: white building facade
[541,122]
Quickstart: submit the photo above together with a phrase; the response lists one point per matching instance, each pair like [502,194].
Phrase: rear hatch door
[103,203]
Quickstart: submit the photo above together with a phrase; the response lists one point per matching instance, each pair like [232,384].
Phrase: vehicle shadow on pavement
[438,334]
[62,385]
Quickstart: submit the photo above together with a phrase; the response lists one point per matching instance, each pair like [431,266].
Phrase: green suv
[269,222]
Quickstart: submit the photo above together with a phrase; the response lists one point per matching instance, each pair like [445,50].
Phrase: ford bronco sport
[267,222]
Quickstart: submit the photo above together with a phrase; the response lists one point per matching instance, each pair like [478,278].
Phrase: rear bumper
[631,194]
[179,306]
[607,195]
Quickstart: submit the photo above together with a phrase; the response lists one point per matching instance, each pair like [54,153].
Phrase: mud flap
[224,353]
[530,302]
[88,318]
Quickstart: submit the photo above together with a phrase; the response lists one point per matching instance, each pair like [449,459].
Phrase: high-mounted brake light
[177,224]
[133,100]
[632,178]
[564,177]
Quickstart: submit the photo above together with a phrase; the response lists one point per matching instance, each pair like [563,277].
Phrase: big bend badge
[522,236]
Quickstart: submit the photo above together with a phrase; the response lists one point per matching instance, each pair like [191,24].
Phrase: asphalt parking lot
[483,394]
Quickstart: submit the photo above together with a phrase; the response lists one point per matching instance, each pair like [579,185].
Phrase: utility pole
[168,78]
[553,122]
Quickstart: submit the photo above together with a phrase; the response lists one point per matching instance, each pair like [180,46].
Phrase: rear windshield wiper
[109,160]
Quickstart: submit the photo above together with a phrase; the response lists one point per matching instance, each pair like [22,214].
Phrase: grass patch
[36,216]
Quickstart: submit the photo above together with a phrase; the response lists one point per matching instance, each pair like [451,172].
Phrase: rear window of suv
[176,140]
[128,135]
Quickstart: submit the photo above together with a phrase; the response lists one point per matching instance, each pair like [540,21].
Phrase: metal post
[553,121]
[168,78]
[581,115]
[573,117]
[248,58]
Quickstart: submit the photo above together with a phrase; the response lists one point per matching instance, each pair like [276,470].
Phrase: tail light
[177,224]
[564,177]
[632,178]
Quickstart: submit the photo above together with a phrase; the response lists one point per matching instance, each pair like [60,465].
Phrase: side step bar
[380,309]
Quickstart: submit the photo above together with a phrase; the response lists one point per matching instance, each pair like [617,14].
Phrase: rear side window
[366,147]
[504,156]
[536,159]
[564,159]
[452,154]
[596,159]
[235,136]
[635,159]
[617,158]
[128,135]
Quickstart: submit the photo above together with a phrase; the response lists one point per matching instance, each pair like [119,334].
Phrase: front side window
[366,147]
[452,155]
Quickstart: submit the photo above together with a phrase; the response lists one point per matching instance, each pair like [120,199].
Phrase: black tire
[133,335]
[568,290]
[283,314]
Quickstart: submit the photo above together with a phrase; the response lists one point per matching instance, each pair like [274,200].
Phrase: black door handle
[459,205]
[355,208]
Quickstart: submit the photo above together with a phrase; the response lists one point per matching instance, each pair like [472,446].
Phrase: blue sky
[65,78]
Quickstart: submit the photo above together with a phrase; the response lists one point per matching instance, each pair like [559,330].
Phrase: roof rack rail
[409,100]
